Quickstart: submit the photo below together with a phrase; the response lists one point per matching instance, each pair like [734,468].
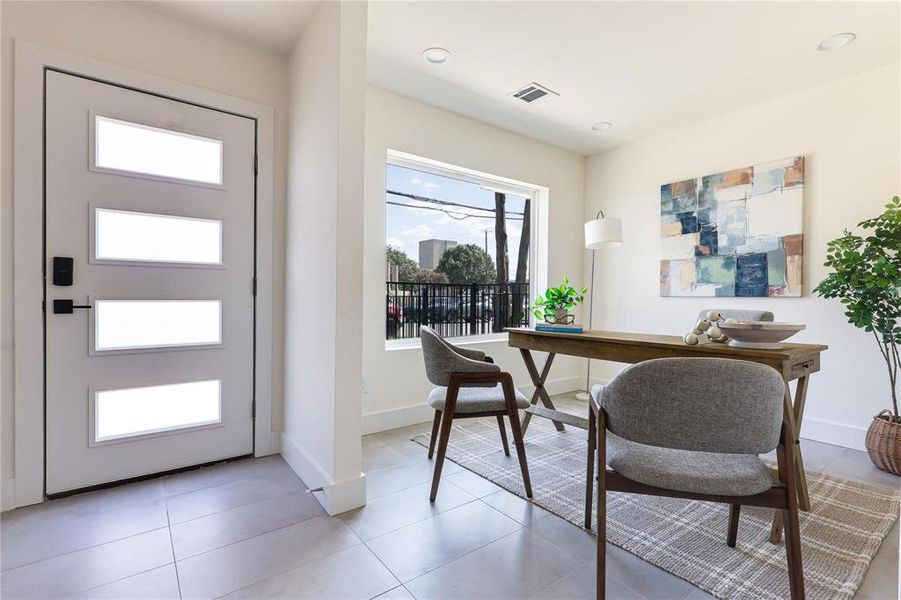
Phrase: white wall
[122,34]
[395,379]
[321,437]
[849,132]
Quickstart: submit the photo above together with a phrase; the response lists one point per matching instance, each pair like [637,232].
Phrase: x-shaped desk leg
[538,381]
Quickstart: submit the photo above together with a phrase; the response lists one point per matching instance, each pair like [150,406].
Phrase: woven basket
[884,442]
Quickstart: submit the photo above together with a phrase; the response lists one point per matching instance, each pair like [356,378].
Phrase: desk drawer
[805,366]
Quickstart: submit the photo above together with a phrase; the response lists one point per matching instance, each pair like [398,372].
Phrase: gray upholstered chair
[693,428]
[469,384]
[739,314]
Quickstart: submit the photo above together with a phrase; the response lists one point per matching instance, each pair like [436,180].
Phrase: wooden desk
[793,361]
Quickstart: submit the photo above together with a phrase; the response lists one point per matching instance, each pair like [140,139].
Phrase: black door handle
[66,307]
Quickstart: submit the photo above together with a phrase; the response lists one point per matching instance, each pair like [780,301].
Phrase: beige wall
[321,437]
[396,386]
[849,132]
[124,35]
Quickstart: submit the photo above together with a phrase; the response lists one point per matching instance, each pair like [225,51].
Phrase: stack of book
[556,328]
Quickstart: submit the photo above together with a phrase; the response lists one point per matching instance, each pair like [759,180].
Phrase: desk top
[671,343]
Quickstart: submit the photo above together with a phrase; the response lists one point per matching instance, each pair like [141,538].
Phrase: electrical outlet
[364,386]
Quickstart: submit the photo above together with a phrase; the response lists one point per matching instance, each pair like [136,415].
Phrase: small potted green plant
[866,278]
[557,302]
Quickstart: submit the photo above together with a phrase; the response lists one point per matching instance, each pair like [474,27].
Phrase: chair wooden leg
[435,424]
[785,457]
[516,428]
[446,420]
[589,469]
[601,565]
[520,451]
[732,537]
[787,469]
[793,553]
[500,424]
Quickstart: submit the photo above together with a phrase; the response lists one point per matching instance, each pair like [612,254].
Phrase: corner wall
[395,382]
[849,132]
[321,436]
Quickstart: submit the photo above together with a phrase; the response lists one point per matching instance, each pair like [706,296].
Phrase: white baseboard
[336,497]
[828,432]
[837,434]
[556,386]
[394,418]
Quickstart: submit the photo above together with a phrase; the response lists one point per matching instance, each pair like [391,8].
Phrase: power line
[450,213]
[446,203]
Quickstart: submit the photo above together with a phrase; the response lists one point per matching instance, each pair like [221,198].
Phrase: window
[121,235]
[121,146]
[153,409]
[459,249]
[148,324]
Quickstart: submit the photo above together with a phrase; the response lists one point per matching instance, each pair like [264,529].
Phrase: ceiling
[272,25]
[647,67]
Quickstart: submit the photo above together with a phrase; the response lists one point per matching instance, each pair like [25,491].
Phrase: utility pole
[500,237]
[486,239]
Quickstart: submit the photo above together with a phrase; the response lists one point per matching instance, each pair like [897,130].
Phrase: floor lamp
[600,234]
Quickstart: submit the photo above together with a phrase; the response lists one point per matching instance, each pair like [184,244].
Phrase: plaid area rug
[839,536]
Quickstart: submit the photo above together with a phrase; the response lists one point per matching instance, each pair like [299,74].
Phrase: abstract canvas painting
[737,233]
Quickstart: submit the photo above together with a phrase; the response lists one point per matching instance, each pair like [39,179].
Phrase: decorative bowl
[763,335]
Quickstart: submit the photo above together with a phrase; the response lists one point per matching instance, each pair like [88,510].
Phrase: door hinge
[253,286]
[253,409]
[256,163]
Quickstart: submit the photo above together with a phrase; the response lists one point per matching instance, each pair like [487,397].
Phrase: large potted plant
[866,278]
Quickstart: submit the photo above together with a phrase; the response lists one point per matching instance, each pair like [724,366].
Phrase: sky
[406,226]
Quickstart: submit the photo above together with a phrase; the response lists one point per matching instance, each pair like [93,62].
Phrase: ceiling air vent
[534,93]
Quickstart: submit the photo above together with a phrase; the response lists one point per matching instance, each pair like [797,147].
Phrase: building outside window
[457,252]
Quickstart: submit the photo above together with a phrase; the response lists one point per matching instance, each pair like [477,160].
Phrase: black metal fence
[454,310]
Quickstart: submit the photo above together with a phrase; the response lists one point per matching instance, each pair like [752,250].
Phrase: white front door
[149,250]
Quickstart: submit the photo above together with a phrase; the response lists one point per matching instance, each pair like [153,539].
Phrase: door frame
[31,61]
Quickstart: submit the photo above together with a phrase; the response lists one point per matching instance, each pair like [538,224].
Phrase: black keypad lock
[63,269]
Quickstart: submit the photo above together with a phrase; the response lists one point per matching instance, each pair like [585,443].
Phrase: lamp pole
[611,240]
[590,324]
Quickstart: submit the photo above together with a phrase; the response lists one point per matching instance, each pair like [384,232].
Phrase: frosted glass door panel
[153,409]
[144,324]
[135,148]
[121,235]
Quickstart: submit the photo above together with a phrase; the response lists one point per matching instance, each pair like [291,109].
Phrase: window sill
[414,343]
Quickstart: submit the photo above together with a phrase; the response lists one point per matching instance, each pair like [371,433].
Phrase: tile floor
[249,529]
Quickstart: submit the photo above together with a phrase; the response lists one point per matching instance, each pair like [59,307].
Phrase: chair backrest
[739,314]
[441,360]
[702,404]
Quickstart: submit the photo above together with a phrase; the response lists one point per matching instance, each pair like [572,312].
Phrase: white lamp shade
[603,233]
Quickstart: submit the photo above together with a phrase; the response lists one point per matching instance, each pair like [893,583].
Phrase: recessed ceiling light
[834,42]
[601,126]
[436,56]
